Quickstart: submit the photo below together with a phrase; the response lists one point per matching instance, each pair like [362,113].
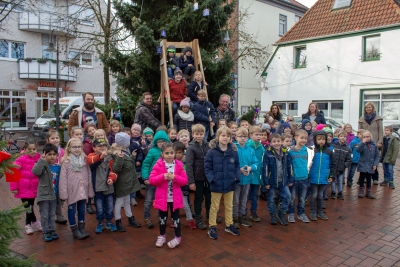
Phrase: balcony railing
[46,22]
[46,70]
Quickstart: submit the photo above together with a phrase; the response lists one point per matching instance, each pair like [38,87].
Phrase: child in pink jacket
[168,175]
[26,188]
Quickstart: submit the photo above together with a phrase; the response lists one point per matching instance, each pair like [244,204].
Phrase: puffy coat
[247,157]
[194,87]
[270,173]
[177,91]
[145,116]
[319,119]
[27,186]
[189,60]
[101,172]
[369,157]
[201,111]
[353,146]
[184,120]
[195,155]
[157,179]
[75,186]
[88,146]
[341,156]
[222,168]
[392,150]
[46,186]
[153,155]
[172,62]
[259,150]
[349,138]
[127,181]
[376,128]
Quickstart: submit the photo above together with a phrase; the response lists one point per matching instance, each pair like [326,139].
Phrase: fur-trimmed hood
[213,144]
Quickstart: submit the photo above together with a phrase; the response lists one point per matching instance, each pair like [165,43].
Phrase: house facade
[29,71]
[342,54]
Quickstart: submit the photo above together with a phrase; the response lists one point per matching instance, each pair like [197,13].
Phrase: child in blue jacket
[186,62]
[277,175]
[355,157]
[204,112]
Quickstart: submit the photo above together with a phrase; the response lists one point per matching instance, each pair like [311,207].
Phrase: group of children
[236,164]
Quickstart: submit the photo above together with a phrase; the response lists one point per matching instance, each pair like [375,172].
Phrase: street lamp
[51,48]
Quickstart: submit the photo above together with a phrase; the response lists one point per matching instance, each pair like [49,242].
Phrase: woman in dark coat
[313,114]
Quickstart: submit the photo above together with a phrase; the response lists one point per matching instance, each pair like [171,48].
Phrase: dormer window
[339,4]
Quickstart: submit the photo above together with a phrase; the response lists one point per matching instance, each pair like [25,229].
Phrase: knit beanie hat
[286,125]
[178,71]
[188,48]
[171,48]
[185,102]
[122,139]
[147,131]
[265,126]
[320,127]
[136,127]
[328,130]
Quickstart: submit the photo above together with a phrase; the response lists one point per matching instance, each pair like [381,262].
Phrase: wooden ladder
[164,74]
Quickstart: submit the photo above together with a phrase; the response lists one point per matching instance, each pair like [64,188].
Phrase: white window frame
[287,103]
[9,58]
[330,107]
[80,57]
[84,15]
[296,59]
[297,18]
[337,4]
[285,25]
[381,100]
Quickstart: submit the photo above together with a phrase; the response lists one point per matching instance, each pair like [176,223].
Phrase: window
[341,4]
[333,109]
[9,49]
[45,44]
[83,14]
[289,108]
[84,59]
[372,48]
[300,57]
[13,108]
[297,18]
[245,109]
[17,6]
[386,102]
[282,25]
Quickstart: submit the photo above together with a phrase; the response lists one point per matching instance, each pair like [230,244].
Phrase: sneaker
[160,241]
[291,218]
[333,195]
[340,196]
[37,226]
[349,184]
[376,182]
[192,224]
[54,235]
[232,230]
[326,198]
[212,232]
[28,229]
[313,216]
[243,220]
[254,217]
[99,228]
[174,242]
[303,218]
[133,202]
[148,223]
[47,236]
[273,220]
[322,215]
[110,226]
[282,218]
[391,185]
[384,183]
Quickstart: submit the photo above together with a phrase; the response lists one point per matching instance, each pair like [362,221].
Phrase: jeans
[186,208]
[228,203]
[123,202]
[284,196]
[163,217]
[367,176]
[352,171]
[253,197]
[47,209]
[317,192]
[148,201]
[73,208]
[240,200]
[175,107]
[104,206]
[299,189]
[30,214]
[339,182]
[189,71]
[206,133]
[202,193]
[388,172]
[170,73]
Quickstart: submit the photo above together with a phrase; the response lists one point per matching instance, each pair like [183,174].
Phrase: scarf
[77,162]
[369,118]
[126,152]
[186,116]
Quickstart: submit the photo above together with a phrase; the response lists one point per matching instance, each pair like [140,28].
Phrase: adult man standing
[88,114]
[145,114]
[223,111]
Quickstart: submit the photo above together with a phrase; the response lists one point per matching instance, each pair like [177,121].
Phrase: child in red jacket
[177,90]
[168,175]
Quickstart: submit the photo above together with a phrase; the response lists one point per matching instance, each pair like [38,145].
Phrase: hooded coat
[27,186]
[247,157]
[392,150]
[154,154]
[270,173]
[369,157]
[259,151]
[202,110]
[195,155]
[189,60]
[194,87]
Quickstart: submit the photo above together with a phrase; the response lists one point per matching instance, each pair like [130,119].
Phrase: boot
[133,222]
[76,233]
[120,228]
[89,208]
[199,222]
[273,219]
[361,192]
[61,220]
[236,223]
[369,194]
[81,227]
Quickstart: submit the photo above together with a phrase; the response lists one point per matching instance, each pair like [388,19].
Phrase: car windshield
[50,113]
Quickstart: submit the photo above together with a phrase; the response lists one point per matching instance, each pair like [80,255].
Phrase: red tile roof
[321,20]
[294,2]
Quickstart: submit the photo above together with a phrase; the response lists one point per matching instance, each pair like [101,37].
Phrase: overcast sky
[307,3]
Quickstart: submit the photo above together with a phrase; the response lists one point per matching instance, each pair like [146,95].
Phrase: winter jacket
[75,186]
[46,186]
[259,151]
[194,87]
[376,128]
[201,111]
[111,138]
[157,179]
[101,172]
[349,138]
[341,156]
[319,118]
[195,155]
[301,162]
[88,146]
[369,157]
[228,114]
[153,155]
[353,146]
[323,166]
[127,181]
[222,168]
[177,91]
[392,150]
[247,157]
[27,186]
[184,120]
[139,154]
[184,63]
[310,138]
[145,116]
[75,119]
[172,62]
[270,173]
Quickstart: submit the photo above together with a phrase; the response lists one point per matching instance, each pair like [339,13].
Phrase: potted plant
[41,60]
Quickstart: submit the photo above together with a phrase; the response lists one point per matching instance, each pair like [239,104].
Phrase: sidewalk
[359,232]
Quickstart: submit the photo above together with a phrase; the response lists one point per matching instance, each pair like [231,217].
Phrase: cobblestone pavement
[359,232]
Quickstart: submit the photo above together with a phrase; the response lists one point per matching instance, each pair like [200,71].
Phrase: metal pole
[57,89]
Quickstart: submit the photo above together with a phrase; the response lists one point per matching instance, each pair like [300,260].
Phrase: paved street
[359,232]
